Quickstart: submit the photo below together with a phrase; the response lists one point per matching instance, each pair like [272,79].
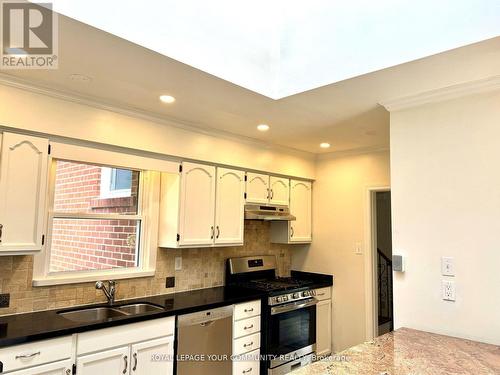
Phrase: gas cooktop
[276,284]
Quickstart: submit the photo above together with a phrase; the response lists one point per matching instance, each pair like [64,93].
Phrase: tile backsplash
[201,268]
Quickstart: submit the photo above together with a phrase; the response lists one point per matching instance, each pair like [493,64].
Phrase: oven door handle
[293,306]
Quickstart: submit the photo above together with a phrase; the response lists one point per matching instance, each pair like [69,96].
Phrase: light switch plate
[398,264]
[178,263]
[447,266]
[448,290]
[358,248]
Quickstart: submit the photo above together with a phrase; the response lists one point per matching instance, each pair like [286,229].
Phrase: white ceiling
[283,47]
[345,114]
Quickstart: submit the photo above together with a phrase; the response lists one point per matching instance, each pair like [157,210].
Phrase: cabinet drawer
[246,327]
[323,293]
[246,310]
[246,344]
[36,353]
[106,338]
[248,365]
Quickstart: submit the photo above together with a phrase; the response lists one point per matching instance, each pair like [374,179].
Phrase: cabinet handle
[247,370]
[247,345]
[135,362]
[272,193]
[218,232]
[268,194]
[248,310]
[24,356]
[291,231]
[248,327]
[1,231]
[126,364]
[212,235]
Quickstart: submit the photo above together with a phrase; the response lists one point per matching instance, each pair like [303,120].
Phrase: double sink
[94,314]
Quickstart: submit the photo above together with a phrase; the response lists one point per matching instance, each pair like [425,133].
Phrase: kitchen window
[91,235]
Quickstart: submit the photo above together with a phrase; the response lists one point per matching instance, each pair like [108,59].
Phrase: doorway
[382,233]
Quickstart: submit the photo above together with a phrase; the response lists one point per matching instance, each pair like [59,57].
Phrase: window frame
[106,192]
[147,213]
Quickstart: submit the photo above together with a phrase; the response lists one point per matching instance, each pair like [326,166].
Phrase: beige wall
[445,161]
[339,216]
[201,268]
[35,112]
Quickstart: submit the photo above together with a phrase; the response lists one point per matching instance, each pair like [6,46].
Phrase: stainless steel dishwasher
[204,342]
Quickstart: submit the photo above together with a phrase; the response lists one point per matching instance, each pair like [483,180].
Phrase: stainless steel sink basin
[92,314]
[105,313]
[138,308]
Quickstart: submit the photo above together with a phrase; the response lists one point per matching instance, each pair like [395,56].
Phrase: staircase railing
[385,308]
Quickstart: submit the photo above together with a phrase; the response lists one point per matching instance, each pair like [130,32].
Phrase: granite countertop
[22,328]
[411,352]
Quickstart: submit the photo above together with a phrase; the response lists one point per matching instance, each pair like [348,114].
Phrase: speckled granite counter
[410,352]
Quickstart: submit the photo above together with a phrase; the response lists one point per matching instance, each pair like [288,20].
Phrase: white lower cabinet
[139,348]
[153,357]
[56,368]
[323,322]
[109,362]
[250,365]
[246,338]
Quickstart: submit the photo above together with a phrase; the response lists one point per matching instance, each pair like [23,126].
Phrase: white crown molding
[442,94]
[123,109]
[351,152]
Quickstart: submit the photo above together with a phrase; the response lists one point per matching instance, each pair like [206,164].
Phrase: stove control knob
[295,295]
[279,299]
[313,292]
[305,294]
[285,298]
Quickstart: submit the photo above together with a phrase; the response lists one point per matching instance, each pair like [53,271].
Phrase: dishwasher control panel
[205,316]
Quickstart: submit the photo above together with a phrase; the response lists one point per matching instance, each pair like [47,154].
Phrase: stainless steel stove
[289,319]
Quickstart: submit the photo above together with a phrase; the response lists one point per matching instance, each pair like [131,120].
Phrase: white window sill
[83,277]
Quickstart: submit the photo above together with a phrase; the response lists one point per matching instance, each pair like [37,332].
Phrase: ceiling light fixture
[324,145]
[263,127]
[167,99]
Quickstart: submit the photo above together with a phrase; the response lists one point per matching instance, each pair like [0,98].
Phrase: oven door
[292,331]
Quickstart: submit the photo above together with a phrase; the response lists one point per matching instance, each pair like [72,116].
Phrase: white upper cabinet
[279,191]
[257,188]
[229,210]
[300,206]
[197,204]
[202,206]
[23,191]
[299,230]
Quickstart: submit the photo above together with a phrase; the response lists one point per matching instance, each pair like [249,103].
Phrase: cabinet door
[257,188]
[153,357]
[55,368]
[279,191]
[109,362]
[324,327]
[301,208]
[229,210]
[197,208]
[23,185]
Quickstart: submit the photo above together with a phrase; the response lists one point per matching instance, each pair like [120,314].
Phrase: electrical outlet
[447,266]
[170,282]
[4,300]
[178,263]
[448,290]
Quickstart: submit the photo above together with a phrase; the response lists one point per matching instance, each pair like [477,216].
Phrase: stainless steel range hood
[268,213]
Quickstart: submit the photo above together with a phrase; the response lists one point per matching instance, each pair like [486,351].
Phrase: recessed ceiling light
[324,145]
[263,127]
[167,99]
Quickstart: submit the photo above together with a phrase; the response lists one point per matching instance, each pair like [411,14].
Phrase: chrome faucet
[109,291]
